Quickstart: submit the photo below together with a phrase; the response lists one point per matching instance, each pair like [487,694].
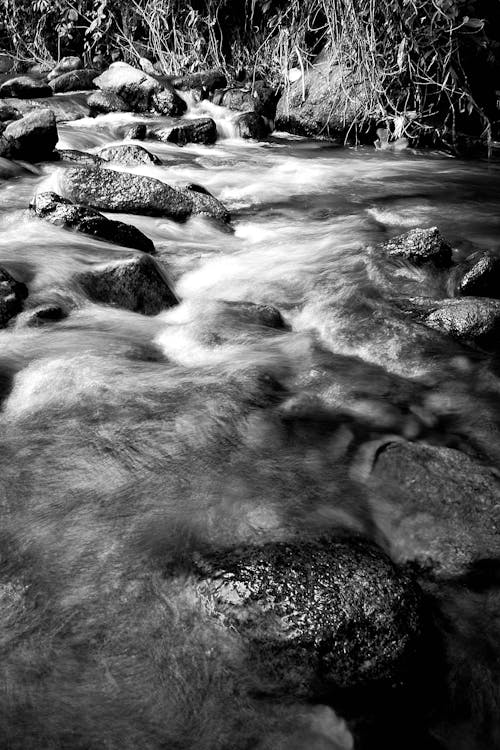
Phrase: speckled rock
[33,137]
[251,125]
[205,203]
[471,320]
[62,212]
[334,609]
[76,80]
[24,87]
[139,285]
[12,294]
[419,246]
[124,192]
[128,154]
[168,102]
[102,102]
[137,132]
[201,130]
[65,65]
[477,276]
[78,157]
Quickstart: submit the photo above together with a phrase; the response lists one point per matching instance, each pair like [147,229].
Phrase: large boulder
[200,130]
[12,294]
[76,80]
[140,91]
[260,99]
[24,87]
[63,213]
[103,102]
[419,246]
[65,65]
[205,203]
[128,154]
[251,125]
[125,192]
[477,276]
[139,285]
[33,137]
[325,101]
[333,610]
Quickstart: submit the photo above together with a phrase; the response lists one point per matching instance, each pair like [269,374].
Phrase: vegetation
[424,59]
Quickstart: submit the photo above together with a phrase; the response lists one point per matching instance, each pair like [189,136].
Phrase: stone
[76,80]
[42,315]
[251,125]
[7,112]
[437,505]
[419,246]
[477,276]
[33,137]
[332,609]
[137,132]
[65,107]
[24,87]
[12,295]
[6,62]
[147,66]
[260,99]
[168,102]
[65,65]
[200,130]
[103,102]
[471,320]
[78,157]
[139,285]
[203,83]
[124,192]
[61,212]
[9,168]
[205,203]
[135,87]
[128,155]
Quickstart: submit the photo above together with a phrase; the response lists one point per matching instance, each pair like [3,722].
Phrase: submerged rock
[33,137]
[477,276]
[76,80]
[337,609]
[139,285]
[12,295]
[128,154]
[252,125]
[103,102]
[62,212]
[201,130]
[24,87]
[65,65]
[122,191]
[419,246]
[42,315]
[205,203]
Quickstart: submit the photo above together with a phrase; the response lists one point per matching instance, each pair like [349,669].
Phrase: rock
[125,192]
[135,87]
[78,157]
[251,125]
[24,87]
[6,62]
[137,132]
[477,276]
[147,66]
[63,213]
[12,295]
[102,102]
[65,65]
[42,315]
[200,130]
[419,246]
[261,99]
[325,101]
[168,102]
[438,506]
[7,112]
[128,155]
[64,107]
[139,285]
[332,608]
[33,137]
[471,320]
[205,203]
[76,80]
[203,83]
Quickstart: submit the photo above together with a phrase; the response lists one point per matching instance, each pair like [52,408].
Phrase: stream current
[125,435]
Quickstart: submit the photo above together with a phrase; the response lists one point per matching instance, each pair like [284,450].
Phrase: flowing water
[127,438]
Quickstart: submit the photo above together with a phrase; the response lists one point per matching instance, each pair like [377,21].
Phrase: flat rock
[65,65]
[12,295]
[76,80]
[333,608]
[128,155]
[477,276]
[33,137]
[24,87]
[205,203]
[139,285]
[61,212]
[124,192]
[103,102]
[200,130]
[419,246]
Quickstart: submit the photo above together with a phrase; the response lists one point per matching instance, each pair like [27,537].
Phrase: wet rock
[205,203]
[6,62]
[41,316]
[33,137]
[203,83]
[438,506]
[124,192]
[477,276]
[7,112]
[252,125]
[102,102]
[201,130]
[24,87]
[65,108]
[63,213]
[76,80]
[133,86]
[78,157]
[336,609]
[261,99]
[168,102]
[471,320]
[12,295]
[137,132]
[128,155]
[65,65]
[12,168]
[419,246]
[139,285]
